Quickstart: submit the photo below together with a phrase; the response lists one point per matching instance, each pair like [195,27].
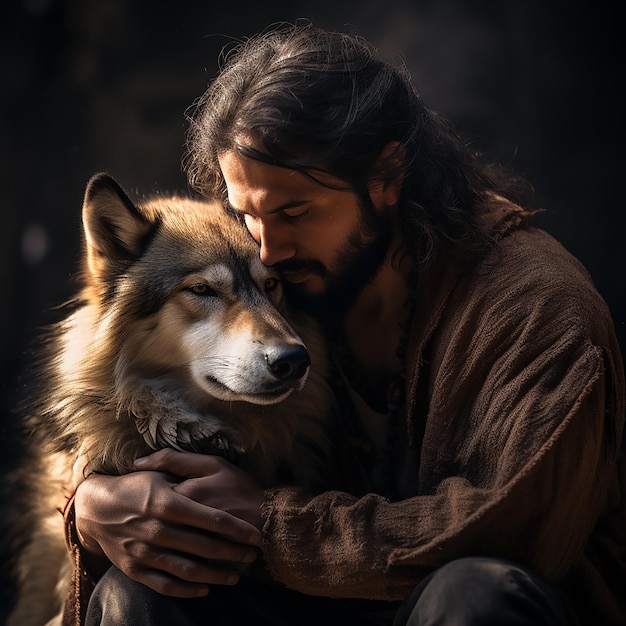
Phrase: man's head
[325,107]
[311,100]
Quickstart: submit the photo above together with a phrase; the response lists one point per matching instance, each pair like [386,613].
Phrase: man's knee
[478,590]
[118,600]
[112,598]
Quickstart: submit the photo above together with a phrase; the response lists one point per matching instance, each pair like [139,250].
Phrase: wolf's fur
[176,340]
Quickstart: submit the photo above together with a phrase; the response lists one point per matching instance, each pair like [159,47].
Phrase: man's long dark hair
[317,100]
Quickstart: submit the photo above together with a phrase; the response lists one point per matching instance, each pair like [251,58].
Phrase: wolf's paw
[218,444]
[190,433]
[203,437]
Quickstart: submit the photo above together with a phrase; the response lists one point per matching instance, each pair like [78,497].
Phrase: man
[478,480]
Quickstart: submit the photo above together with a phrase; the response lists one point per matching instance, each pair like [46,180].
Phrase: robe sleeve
[520,446]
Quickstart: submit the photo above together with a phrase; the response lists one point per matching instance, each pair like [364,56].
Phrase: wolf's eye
[202,289]
[271,284]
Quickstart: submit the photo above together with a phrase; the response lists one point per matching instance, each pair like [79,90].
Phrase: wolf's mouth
[264,396]
[277,393]
[216,383]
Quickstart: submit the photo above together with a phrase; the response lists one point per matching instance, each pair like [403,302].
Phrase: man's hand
[211,480]
[164,531]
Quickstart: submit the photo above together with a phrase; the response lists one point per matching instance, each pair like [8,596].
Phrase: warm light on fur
[177,341]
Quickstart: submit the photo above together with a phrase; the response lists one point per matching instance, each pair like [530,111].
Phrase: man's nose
[276,246]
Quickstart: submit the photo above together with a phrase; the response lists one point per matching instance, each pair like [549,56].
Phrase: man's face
[325,244]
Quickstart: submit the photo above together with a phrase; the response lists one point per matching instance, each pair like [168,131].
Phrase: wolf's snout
[288,362]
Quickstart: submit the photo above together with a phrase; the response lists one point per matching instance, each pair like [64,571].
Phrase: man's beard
[354,267]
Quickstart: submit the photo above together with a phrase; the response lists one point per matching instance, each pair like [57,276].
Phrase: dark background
[90,85]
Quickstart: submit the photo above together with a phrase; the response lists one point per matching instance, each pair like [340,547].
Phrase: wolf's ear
[115,230]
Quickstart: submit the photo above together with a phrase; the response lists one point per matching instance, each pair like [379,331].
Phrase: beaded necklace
[368,455]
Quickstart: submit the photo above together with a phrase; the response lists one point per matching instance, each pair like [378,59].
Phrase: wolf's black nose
[288,362]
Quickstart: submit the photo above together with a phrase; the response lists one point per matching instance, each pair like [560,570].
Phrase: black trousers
[467,592]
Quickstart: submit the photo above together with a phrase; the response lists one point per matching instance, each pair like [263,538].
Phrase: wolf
[179,336]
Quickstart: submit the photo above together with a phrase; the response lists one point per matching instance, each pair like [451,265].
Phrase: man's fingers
[183,511]
[188,512]
[170,586]
[165,539]
[174,573]
[183,464]
[215,496]
[168,581]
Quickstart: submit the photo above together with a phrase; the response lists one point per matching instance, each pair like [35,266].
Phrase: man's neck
[372,325]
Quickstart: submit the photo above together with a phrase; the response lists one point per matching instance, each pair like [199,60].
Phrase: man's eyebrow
[291,204]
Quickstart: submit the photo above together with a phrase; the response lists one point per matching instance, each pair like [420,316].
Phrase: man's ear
[387,175]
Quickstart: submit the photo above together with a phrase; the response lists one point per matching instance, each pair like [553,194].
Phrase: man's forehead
[256,187]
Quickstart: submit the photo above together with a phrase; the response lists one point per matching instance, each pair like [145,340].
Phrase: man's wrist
[84,538]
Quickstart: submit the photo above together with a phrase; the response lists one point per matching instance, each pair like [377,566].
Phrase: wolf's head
[180,294]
